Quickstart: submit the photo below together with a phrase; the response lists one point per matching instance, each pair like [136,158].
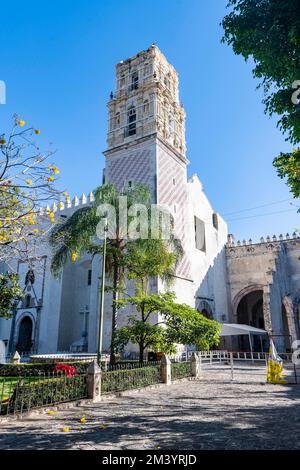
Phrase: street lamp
[101,302]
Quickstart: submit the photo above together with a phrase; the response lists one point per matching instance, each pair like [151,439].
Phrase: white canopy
[235,329]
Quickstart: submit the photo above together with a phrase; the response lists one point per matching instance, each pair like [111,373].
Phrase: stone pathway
[213,413]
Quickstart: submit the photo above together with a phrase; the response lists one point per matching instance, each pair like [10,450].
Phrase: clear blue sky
[58,58]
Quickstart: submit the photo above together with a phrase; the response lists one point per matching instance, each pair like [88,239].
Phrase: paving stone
[212,413]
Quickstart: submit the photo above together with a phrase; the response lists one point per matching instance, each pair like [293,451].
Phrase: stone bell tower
[146,134]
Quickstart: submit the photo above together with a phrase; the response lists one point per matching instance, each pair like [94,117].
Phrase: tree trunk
[141,355]
[114,313]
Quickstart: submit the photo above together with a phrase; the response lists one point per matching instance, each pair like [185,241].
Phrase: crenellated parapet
[69,206]
[264,245]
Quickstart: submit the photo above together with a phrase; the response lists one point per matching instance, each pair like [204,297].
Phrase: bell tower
[146,102]
[146,134]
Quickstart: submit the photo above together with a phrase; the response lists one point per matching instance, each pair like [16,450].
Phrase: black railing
[127,365]
[180,370]
[23,393]
[137,376]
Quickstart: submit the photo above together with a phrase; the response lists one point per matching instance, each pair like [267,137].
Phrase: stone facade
[265,277]
[247,283]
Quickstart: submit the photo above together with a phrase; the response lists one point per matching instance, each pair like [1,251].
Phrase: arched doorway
[205,309]
[24,343]
[249,311]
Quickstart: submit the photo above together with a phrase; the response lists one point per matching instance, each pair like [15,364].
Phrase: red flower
[66,369]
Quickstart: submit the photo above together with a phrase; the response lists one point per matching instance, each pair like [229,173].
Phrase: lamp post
[101,301]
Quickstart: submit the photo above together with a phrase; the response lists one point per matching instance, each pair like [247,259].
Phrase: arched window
[146,107]
[146,70]
[167,80]
[171,124]
[134,81]
[24,343]
[117,119]
[122,80]
[215,221]
[131,118]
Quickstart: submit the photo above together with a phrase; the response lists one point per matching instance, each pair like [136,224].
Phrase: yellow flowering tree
[27,183]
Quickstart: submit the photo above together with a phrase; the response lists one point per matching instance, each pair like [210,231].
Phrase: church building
[232,282]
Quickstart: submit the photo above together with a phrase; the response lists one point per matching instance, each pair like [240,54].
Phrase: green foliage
[33,369]
[180,370]
[10,292]
[179,324]
[288,166]
[121,380]
[27,183]
[34,392]
[152,258]
[141,259]
[268,32]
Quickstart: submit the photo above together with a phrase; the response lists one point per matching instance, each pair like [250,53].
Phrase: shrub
[180,370]
[120,380]
[16,370]
[45,391]
[66,369]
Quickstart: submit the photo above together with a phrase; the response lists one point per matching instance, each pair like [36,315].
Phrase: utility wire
[260,215]
[257,207]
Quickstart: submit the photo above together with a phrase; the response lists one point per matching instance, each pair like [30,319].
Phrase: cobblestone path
[212,413]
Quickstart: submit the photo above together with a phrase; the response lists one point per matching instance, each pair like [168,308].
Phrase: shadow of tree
[181,417]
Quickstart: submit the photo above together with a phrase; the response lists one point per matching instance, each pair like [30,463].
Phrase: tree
[77,235]
[26,185]
[150,258]
[160,323]
[288,166]
[10,293]
[268,31]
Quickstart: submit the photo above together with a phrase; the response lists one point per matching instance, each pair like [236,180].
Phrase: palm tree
[77,235]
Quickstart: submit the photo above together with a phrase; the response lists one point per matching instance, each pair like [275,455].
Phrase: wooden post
[165,368]
[94,381]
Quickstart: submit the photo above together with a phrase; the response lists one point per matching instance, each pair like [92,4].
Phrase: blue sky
[58,58]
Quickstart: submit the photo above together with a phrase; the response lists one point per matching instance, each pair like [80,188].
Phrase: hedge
[39,392]
[16,370]
[121,380]
[180,370]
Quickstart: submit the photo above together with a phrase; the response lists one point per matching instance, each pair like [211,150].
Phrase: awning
[235,329]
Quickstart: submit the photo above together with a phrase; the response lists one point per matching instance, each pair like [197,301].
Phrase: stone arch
[249,309]
[25,326]
[205,309]
[242,293]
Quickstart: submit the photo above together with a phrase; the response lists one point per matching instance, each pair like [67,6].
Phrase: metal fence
[180,370]
[244,366]
[18,394]
[121,379]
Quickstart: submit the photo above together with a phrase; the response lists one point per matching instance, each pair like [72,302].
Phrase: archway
[249,311]
[205,309]
[24,343]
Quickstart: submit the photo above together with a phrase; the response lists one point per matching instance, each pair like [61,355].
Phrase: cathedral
[253,283]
